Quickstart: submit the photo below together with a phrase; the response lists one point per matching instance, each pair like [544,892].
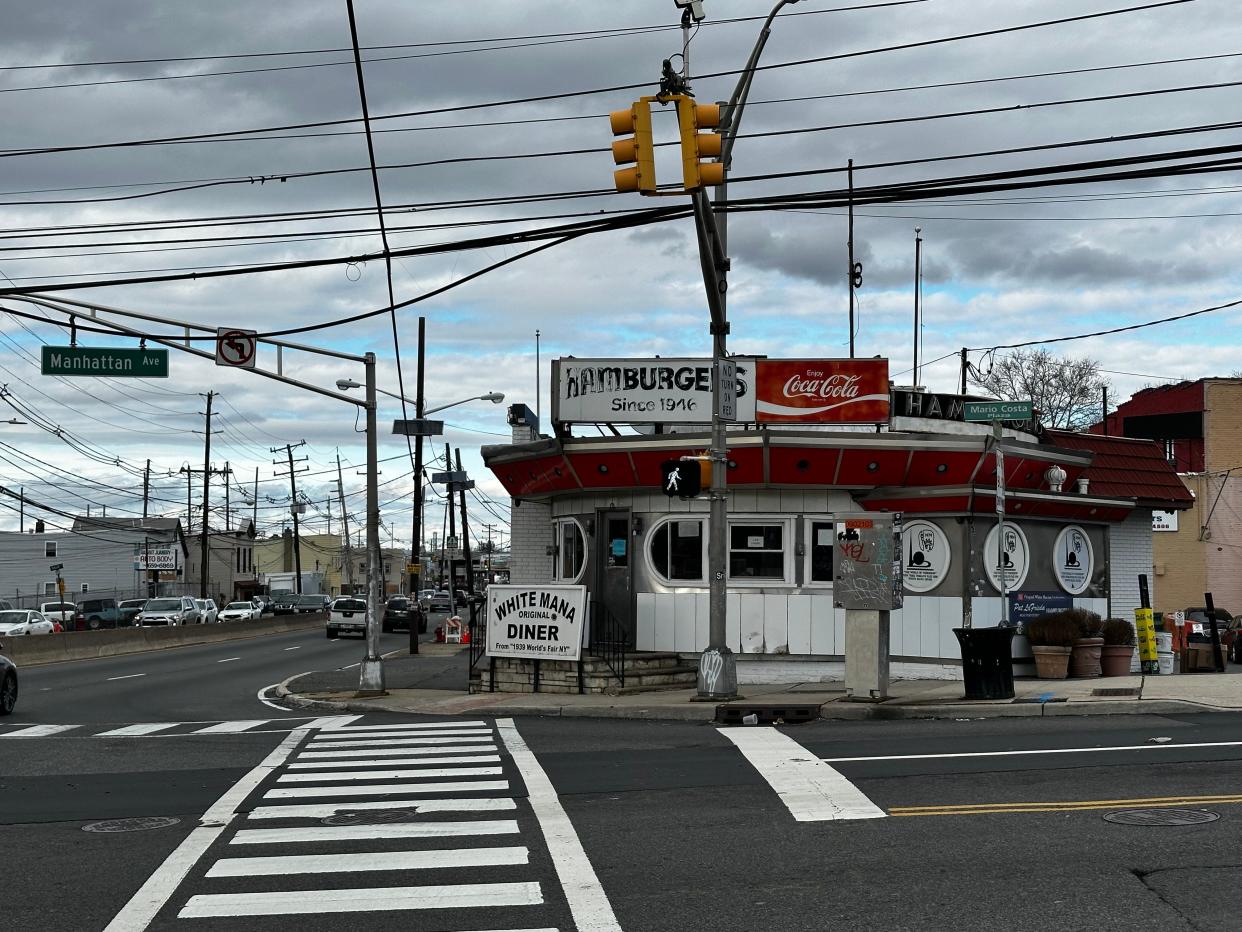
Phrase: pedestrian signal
[681,478]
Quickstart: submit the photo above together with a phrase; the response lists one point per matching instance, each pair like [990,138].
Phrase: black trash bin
[987,661]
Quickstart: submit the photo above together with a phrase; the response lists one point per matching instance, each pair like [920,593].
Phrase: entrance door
[612,575]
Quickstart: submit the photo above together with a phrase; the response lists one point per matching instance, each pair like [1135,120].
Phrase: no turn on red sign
[235,348]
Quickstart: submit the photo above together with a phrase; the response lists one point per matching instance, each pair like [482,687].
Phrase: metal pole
[452,519]
[416,535]
[349,559]
[964,366]
[206,547]
[538,389]
[918,242]
[371,677]
[293,509]
[1000,522]
[850,244]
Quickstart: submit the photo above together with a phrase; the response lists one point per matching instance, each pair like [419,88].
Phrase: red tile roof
[1126,468]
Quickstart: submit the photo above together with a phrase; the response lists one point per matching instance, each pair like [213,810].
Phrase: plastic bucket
[1164,642]
[1165,657]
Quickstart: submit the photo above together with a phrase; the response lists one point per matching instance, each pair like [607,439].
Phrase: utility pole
[228,507]
[465,534]
[21,526]
[349,560]
[293,507]
[452,534]
[254,514]
[204,532]
[854,273]
[918,259]
[189,490]
[416,534]
[965,365]
[146,490]
[490,551]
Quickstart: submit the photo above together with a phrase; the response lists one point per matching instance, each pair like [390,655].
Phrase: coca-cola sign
[822,391]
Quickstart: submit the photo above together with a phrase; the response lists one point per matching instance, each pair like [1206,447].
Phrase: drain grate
[142,824]
[795,713]
[371,816]
[1161,817]
[1116,691]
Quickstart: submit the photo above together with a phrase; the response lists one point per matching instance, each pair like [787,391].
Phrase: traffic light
[638,148]
[681,478]
[696,146]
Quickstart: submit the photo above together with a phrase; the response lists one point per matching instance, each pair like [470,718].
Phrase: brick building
[1198,425]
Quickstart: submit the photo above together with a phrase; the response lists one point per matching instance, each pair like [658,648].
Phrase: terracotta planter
[1115,659]
[1085,657]
[1051,663]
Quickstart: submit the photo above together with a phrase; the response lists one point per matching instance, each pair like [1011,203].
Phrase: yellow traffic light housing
[697,146]
[639,148]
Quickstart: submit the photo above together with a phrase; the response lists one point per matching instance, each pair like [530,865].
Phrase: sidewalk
[433,683]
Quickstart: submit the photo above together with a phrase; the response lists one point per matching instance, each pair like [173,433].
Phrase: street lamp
[493,397]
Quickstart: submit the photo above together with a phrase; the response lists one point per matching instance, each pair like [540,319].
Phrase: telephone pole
[452,536]
[465,532]
[349,560]
[207,472]
[293,506]
[146,490]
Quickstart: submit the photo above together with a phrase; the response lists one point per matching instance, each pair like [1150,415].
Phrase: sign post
[997,412]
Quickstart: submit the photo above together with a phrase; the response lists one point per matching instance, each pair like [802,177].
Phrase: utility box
[866,563]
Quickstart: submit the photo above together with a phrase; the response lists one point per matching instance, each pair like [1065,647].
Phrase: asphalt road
[683,830]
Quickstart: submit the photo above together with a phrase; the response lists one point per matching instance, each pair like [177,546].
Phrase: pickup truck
[61,612]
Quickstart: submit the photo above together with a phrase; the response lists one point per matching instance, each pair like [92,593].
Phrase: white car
[59,611]
[239,611]
[208,614]
[24,621]
[347,616]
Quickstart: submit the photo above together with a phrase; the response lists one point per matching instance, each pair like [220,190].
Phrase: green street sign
[998,410]
[93,360]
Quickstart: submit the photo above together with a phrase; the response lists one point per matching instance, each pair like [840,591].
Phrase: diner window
[757,551]
[677,550]
[570,551]
[819,548]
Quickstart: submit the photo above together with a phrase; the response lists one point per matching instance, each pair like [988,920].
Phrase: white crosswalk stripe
[38,731]
[384,831]
[161,729]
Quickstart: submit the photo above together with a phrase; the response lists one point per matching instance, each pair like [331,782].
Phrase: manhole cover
[144,824]
[370,816]
[1161,816]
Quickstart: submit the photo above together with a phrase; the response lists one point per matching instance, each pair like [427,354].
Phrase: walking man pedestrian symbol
[674,481]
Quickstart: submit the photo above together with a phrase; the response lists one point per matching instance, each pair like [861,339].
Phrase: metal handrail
[609,640]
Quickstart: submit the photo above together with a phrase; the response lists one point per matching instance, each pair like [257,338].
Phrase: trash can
[987,661]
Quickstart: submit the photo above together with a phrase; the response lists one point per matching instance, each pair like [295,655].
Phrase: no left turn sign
[235,347]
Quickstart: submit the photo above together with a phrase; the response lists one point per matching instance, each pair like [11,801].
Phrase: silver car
[171,610]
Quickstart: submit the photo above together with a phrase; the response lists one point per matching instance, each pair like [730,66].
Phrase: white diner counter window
[820,544]
[570,551]
[678,551]
[759,552]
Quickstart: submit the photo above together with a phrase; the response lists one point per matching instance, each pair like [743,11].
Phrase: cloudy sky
[535,79]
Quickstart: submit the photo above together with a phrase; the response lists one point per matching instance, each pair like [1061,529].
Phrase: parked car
[308,605]
[23,621]
[264,604]
[8,685]
[1228,626]
[347,615]
[207,611]
[94,614]
[441,601]
[285,604]
[400,613]
[174,610]
[62,612]
[239,611]
[128,610]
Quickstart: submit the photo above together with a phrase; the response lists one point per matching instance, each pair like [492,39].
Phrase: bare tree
[1066,392]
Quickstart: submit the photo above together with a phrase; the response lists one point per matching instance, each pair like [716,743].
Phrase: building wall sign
[156,556]
[1016,557]
[822,391]
[1027,606]
[1164,521]
[643,391]
[1073,560]
[538,622]
[925,550]
[939,407]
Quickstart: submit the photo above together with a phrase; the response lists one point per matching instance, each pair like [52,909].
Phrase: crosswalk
[451,821]
[173,729]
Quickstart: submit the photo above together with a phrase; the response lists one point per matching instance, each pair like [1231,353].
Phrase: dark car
[285,604]
[8,685]
[308,605]
[1228,626]
[398,614]
[125,611]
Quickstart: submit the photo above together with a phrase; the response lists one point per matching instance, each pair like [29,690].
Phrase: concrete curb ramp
[29,651]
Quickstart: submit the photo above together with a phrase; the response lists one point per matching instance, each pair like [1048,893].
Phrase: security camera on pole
[717,665]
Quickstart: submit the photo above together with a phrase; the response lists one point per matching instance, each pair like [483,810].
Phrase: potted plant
[1085,656]
[1118,649]
[1050,637]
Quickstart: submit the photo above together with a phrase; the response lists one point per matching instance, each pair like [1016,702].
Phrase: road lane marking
[282,836]
[399,762]
[228,660]
[131,731]
[398,752]
[384,789]
[369,861]
[129,676]
[298,647]
[403,742]
[354,775]
[811,789]
[38,731]
[415,725]
[140,911]
[387,899]
[962,754]
[587,900]
[230,728]
[324,810]
[1086,805]
[341,736]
